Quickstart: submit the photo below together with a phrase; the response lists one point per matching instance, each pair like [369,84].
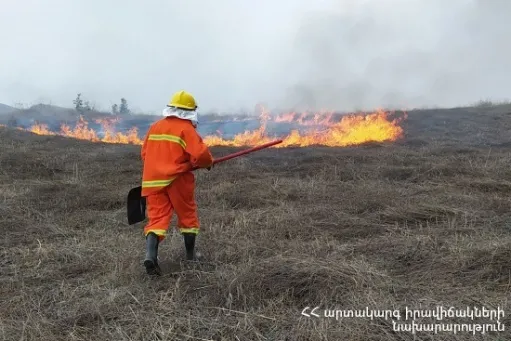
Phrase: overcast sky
[231,54]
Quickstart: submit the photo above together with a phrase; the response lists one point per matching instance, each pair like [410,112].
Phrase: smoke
[407,53]
[233,55]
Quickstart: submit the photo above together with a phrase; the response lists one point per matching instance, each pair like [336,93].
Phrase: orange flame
[41,129]
[307,119]
[350,130]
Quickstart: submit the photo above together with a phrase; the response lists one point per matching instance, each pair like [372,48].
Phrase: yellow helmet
[183,100]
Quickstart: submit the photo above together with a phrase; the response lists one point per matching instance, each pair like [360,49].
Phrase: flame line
[349,130]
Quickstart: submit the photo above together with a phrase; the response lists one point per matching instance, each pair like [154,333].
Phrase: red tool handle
[243,152]
[246,151]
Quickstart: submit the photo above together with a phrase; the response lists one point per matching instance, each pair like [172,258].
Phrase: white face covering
[180,113]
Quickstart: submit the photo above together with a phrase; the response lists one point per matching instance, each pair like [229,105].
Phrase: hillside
[420,223]
[5,109]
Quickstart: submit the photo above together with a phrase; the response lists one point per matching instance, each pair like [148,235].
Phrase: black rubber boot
[189,238]
[151,256]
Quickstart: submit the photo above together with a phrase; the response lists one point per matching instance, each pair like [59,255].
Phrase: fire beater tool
[137,203]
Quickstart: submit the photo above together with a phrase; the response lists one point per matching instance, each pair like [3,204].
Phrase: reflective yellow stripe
[165,137]
[156,183]
[194,230]
[156,232]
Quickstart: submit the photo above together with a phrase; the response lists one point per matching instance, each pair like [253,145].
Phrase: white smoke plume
[231,54]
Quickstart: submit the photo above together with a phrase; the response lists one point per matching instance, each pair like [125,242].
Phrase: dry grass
[421,223]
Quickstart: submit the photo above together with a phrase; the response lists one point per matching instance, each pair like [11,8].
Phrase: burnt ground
[421,223]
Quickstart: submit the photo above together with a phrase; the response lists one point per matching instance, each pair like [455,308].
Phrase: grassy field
[421,223]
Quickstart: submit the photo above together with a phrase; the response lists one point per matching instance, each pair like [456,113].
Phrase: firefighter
[171,148]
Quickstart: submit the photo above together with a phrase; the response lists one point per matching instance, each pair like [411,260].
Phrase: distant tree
[12,122]
[124,110]
[78,102]
[115,109]
[87,106]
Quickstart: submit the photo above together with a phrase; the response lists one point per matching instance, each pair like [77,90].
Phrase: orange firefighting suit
[171,148]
